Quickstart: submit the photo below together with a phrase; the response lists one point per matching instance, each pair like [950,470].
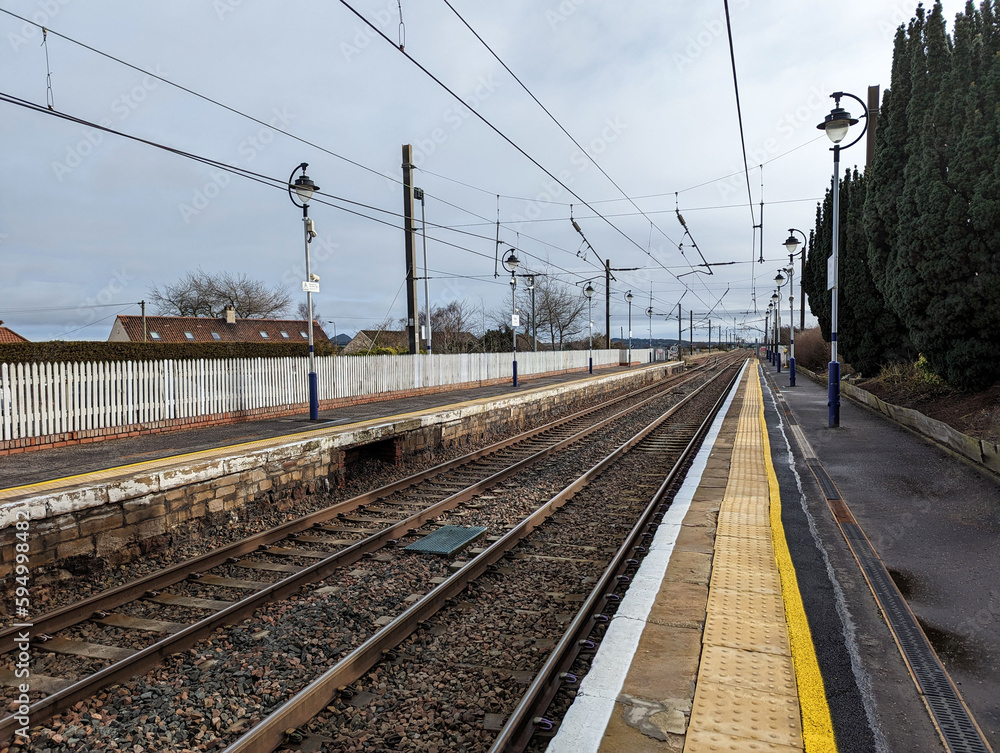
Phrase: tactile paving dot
[750,604]
[753,670]
[725,575]
[702,741]
[748,634]
[746,714]
[747,552]
[748,518]
[742,531]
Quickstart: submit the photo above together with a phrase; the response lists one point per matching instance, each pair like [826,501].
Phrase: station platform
[74,460]
[811,589]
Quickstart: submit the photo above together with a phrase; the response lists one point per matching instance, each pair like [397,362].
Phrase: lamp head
[511,262]
[649,312]
[775,298]
[779,278]
[791,243]
[303,185]
[589,291]
[837,123]
[628,296]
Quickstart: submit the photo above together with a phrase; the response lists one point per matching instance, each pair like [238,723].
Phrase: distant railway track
[282,561]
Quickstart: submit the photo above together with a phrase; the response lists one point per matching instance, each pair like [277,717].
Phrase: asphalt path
[934,520]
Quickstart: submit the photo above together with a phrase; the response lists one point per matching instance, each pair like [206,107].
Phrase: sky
[90,220]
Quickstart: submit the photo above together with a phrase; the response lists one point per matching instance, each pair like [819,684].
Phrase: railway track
[514,607]
[235,581]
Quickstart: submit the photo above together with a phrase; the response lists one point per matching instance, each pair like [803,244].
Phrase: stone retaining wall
[978,451]
[129,513]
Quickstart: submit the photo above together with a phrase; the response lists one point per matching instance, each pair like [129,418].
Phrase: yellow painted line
[214,452]
[817,725]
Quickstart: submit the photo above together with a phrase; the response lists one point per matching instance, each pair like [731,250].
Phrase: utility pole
[691,330]
[409,235]
[680,344]
[710,335]
[607,301]
[143,304]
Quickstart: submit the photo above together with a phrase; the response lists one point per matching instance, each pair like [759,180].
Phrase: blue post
[591,365]
[833,395]
[313,396]
[777,357]
[515,373]
[791,372]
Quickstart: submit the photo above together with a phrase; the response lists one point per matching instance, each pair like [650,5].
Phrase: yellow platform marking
[749,695]
[213,453]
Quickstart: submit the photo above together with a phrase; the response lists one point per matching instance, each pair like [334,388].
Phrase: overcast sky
[89,220]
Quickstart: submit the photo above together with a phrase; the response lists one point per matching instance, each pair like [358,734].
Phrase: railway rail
[315,719]
[286,559]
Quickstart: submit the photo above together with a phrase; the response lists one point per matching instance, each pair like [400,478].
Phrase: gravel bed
[202,697]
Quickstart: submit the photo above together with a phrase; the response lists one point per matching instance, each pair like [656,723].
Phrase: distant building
[198,329]
[366,339]
[10,336]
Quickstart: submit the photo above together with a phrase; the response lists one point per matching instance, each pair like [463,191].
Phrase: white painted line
[583,727]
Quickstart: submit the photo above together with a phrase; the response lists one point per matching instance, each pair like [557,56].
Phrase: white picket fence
[54,398]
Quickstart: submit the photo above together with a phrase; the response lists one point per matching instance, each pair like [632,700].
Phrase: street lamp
[510,264]
[767,331]
[791,244]
[770,333]
[775,299]
[304,189]
[780,280]
[589,292]
[836,125]
[628,297]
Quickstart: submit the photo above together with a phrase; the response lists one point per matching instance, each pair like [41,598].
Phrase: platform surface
[762,633]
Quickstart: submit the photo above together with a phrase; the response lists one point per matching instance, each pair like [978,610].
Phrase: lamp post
[628,297]
[780,280]
[510,264]
[418,194]
[836,126]
[767,333]
[791,244]
[589,292]
[303,188]
[776,300]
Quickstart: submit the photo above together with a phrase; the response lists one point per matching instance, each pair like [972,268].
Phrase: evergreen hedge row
[87,351]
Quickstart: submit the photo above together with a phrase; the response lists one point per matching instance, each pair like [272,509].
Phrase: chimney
[230,315]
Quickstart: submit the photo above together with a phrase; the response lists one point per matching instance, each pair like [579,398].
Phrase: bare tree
[560,309]
[202,294]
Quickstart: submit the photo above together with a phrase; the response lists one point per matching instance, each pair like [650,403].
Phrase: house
[199,329]
[366,339]
[10,336]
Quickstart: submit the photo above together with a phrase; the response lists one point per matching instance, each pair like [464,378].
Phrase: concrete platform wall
[113,517]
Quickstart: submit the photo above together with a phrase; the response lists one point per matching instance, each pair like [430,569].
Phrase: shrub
[811,351]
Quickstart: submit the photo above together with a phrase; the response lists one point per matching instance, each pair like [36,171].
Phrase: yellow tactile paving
[750,669]
[747,696]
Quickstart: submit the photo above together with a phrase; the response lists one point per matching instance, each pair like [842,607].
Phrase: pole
[777,327]
[427,290]
[534,325]
[513,312]
[691,331]
[833,387]
[791,327]
[143,304]
[802,299]
[607,300]
[313,382]
[409,233]
[709,335]
[630,334]
[590,346]
[680,344]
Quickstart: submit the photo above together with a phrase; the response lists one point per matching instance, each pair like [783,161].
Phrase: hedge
[84,351]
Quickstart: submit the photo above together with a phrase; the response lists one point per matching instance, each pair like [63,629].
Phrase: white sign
[831,273]
[310,287]
[515,320]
